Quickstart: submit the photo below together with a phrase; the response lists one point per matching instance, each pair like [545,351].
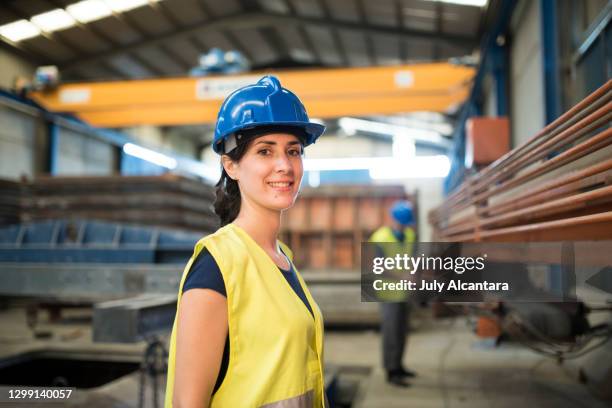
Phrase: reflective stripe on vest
[276,347]
[304,400]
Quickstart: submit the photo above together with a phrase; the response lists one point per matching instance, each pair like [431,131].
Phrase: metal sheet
[133,319]
[92,281]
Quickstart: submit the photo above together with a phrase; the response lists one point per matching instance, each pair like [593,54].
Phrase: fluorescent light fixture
[417,167]
[351,126]
[125,5]
[442,127]
[211,173]
[343,163]
[385,167]
[89,10]
[53,20]
[476,3]
[19,30]
[150,155]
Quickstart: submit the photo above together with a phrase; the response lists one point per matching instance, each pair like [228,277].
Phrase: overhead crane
[326,93]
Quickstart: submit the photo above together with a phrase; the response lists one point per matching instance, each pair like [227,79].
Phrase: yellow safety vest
[276,347]
[385,235]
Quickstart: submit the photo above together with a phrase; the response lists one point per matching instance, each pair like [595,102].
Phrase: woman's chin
[281,205]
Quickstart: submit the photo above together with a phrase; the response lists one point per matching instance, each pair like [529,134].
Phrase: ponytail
[228,200]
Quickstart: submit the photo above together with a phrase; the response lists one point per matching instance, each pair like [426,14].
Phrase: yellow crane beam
[326,93]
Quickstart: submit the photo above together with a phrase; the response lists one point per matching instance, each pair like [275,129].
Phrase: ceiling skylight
[53,20]
[476,3]
[89,10]
[19,30]
[125,5]
[58,19]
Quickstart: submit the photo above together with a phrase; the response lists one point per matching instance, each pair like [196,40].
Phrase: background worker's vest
[276,347]
[392,247]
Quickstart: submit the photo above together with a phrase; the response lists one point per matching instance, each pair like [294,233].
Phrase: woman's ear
[230,167]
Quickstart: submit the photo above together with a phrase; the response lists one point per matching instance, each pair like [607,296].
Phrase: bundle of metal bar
[167,200]
[555,186]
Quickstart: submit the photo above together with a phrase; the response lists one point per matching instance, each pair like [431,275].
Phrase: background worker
[395,310]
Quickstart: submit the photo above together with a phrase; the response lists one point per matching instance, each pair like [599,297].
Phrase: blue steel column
[499,60]
[53,147]
[471,107]
[550,59]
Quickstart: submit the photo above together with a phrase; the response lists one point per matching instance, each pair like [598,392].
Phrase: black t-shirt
[205,274]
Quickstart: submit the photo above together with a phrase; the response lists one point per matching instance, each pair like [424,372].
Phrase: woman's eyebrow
[271,142]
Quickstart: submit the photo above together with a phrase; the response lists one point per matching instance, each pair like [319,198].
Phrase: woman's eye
[264,152]
[295,152]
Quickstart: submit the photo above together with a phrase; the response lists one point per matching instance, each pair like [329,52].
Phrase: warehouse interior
[490,117]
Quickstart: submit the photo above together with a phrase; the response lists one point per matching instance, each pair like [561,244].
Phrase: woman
[247,332]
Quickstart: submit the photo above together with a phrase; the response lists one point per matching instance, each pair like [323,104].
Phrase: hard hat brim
[310,129]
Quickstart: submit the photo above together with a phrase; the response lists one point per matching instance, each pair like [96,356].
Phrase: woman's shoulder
[224,245]
[205,274]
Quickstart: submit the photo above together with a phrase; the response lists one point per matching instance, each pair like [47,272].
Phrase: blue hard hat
[265,104]
[401,211]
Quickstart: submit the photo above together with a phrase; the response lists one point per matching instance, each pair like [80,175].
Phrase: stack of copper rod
[556,186]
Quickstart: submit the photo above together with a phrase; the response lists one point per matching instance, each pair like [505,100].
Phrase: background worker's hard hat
[401,212]
[264,104]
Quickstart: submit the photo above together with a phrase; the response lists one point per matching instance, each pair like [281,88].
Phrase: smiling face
[270,172]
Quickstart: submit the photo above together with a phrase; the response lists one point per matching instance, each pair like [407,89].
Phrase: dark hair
[228,200]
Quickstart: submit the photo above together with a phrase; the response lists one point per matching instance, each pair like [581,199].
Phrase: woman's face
[270,172]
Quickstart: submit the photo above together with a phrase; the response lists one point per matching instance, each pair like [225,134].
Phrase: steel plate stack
[167,200]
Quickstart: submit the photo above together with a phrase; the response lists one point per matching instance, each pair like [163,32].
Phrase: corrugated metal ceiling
[165,38]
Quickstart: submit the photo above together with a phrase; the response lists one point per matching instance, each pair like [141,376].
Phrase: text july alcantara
[404,263]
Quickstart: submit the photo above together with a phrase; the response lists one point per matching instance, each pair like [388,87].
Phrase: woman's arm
[201,334]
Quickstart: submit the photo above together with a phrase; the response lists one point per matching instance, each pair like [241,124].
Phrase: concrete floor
[455,370]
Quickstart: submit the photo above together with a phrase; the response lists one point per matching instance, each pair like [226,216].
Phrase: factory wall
[22,143]
[527,89]
[13,66]
[589,69]
[20,133]
[163,139]
[25,147]
[82,154]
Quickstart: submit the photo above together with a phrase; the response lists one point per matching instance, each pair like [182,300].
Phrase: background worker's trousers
[394,327]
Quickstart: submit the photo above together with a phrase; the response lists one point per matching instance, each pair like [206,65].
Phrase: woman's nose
[283,163]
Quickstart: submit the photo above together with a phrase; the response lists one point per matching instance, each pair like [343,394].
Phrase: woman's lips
[281,185]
